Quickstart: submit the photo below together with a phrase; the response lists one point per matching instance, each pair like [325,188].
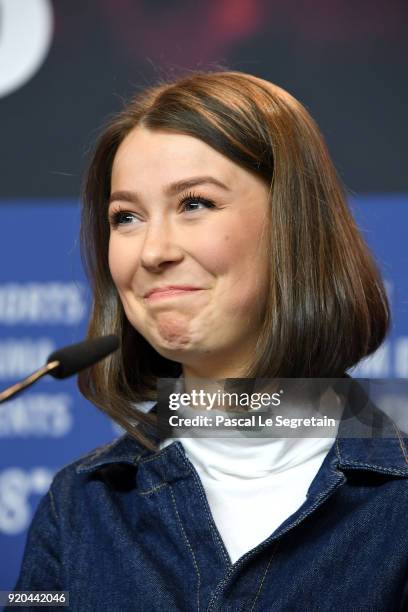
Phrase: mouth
[169,293]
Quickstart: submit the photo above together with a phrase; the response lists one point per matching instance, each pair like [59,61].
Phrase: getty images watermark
[281,407]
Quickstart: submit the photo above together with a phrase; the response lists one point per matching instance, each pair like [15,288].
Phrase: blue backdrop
[44,304]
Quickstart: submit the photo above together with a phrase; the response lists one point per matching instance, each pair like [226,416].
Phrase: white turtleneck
[253,484]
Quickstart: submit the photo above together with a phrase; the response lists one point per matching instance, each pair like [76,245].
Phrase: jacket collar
[122,450]
[367,439]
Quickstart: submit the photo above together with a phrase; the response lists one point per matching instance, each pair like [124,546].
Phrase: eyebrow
[170,190]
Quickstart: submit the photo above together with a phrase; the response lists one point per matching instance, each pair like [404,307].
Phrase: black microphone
[68,361]
[77,357]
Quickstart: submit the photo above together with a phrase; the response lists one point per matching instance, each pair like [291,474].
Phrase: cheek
[119,263]
[238,257]
[221,250]
[238,250]
[217,252]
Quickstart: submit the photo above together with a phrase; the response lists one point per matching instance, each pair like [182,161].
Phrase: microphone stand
[68,361]
[27,382]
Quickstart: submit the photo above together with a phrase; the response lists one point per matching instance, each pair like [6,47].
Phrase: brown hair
[326,306]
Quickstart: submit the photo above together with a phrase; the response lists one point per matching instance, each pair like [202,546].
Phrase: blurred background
[64,68]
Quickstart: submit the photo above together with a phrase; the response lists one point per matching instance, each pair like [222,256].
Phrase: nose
[160,246]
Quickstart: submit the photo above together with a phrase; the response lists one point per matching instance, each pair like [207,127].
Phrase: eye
[193,200]
[121,217]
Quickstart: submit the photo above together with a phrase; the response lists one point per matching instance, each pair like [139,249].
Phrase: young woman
[219,245]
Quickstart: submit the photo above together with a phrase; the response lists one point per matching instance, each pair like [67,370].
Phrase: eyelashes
[120,216]
[117,217]
[194,198]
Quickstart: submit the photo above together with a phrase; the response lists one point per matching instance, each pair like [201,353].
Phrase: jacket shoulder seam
[401,442]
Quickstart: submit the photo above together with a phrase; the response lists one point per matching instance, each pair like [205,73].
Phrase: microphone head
[77,357]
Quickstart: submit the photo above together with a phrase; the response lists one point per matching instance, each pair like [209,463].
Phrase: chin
[174,352]
[186,355]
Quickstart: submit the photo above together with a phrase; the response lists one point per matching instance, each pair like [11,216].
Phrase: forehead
[170,155]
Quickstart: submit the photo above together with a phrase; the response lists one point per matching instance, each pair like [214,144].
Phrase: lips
[170,289]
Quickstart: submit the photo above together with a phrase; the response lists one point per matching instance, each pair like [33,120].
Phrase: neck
[211,372]
[206,381]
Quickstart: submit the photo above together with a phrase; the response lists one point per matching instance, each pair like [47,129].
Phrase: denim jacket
[125,528]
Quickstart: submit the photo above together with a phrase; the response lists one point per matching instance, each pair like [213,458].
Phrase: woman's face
[206,234]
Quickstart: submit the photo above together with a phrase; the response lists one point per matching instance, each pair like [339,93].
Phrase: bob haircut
[326,303]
